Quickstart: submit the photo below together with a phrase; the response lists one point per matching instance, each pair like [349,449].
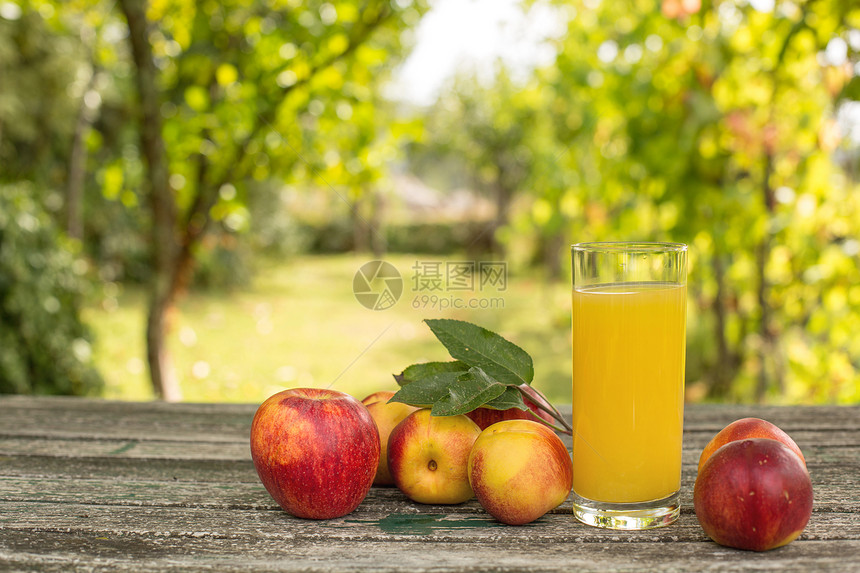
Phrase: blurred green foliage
[254,92]
[44,347]
[712,123]
[36,114]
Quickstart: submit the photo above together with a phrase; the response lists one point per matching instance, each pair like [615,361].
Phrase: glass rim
[629,247]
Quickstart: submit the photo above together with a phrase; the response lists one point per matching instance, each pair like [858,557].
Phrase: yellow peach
[519,470]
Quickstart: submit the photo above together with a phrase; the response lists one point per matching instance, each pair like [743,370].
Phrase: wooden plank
[829,459]
[145,486]
[149,449]
[136,492]
[63,551]
[368,523]
[125,425]
[700,415]
[714,417]
[138,420]
[697,440]
[693,439]
[834,490]
[217,484]
[201,423]
[828,446]
[166,409]
[119,468]
[144,433]
[369,540]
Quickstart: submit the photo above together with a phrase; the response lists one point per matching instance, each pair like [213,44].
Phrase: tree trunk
[161,203]
[768,352]
[764,347]
[553,245]
[726,365]
[162,372]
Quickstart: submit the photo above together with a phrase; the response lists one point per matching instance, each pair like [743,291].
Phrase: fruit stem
[551,410]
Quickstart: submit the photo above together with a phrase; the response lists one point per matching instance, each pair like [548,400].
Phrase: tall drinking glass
[629,322]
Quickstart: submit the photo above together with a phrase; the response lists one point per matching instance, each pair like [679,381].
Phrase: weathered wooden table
[92,485]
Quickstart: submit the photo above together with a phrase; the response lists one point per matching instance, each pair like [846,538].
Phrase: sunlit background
[189,187]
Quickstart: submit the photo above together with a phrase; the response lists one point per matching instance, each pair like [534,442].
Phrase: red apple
[746,428]
[315,450]
[486,417]
[428,457]
[387,416]
[753,494]
[519,470]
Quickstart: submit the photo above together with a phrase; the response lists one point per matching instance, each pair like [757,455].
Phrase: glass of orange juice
[629,323]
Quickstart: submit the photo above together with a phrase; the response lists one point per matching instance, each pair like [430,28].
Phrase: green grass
[300,325]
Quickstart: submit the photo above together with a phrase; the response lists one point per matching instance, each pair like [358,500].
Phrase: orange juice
[628,391]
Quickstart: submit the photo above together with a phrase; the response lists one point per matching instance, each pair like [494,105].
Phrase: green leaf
[426,392]
[467,393]
[511,398]
[451,393]
[427,369]
[476,346]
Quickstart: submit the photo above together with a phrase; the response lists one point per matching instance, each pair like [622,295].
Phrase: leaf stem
[547,424]
[551,410]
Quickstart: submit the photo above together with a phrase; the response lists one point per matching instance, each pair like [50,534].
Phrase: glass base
[644,515]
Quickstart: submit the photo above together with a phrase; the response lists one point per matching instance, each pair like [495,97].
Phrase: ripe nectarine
[753,494]
[519,470]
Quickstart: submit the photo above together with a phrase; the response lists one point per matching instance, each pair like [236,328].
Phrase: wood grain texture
[100,485]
